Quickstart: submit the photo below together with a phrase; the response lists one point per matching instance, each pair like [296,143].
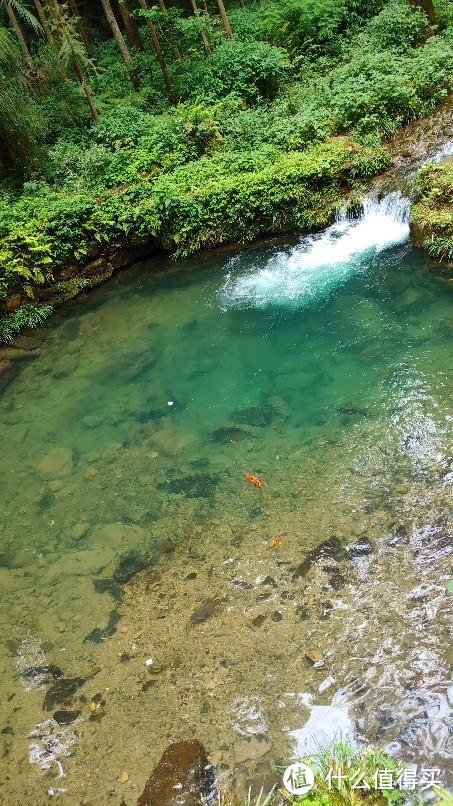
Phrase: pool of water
[129,532]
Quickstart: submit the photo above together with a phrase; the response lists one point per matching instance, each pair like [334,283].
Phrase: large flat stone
[56,465]
[116,535]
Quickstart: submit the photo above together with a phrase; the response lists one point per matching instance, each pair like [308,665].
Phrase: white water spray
[321,262]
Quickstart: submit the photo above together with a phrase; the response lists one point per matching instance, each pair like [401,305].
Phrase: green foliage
[432,215]
[250,69]
[270,129]
[384,89]
[25,15]
[398,26]
[26,316]
[210,200]
[444,12]
[306,26]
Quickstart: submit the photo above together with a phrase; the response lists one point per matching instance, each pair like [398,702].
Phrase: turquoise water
[323,367]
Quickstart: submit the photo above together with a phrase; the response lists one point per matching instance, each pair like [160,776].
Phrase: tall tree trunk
[203,35]
[17,30]
[80,24]
[119,39]
[225,20]
[130,25]
[42,20]
[241,3]
[160,58]
[48,33]
[174,46]
[427,7]
[80,76]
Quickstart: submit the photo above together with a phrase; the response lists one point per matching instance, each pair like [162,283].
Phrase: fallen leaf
[124,777]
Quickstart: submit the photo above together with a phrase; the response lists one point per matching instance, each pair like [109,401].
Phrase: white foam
[319,263]
[51,741]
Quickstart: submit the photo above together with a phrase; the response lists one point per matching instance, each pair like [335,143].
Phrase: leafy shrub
[306,26]
[63,107]
[398,26]
[122,124]
[389,88]
[251,70]
[444,12]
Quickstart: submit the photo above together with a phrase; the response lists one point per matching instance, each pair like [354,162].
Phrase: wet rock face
[181,777]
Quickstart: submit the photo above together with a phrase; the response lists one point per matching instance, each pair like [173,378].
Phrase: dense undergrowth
[270,131]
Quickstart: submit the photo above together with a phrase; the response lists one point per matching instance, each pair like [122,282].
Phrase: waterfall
[298,275]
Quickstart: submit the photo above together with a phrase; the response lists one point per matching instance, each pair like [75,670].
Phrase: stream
[176,598]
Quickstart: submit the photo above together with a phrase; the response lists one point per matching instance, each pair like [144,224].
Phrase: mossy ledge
[67,245]
[432,214]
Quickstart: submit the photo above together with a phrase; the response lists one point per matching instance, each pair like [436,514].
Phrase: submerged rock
[338,581]
[182,777]
[257,416]
[62,691]
[361,548]
[100,633]
[196,485]
[330,549]
[56,465]
[229,433]
[352,412]
[42,674]
[66,717]
[116,535]
[130,564]
[205,610]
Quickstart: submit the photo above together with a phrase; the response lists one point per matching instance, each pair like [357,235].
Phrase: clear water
[321,366]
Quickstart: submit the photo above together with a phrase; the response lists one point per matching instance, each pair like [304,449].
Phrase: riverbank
[200,205]
[214,203]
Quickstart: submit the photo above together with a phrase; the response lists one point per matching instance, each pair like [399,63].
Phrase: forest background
[124,123]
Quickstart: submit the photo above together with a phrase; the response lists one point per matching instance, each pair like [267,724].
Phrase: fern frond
[25,15]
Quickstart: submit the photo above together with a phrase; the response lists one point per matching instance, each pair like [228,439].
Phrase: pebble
[314,656]
[55,485]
